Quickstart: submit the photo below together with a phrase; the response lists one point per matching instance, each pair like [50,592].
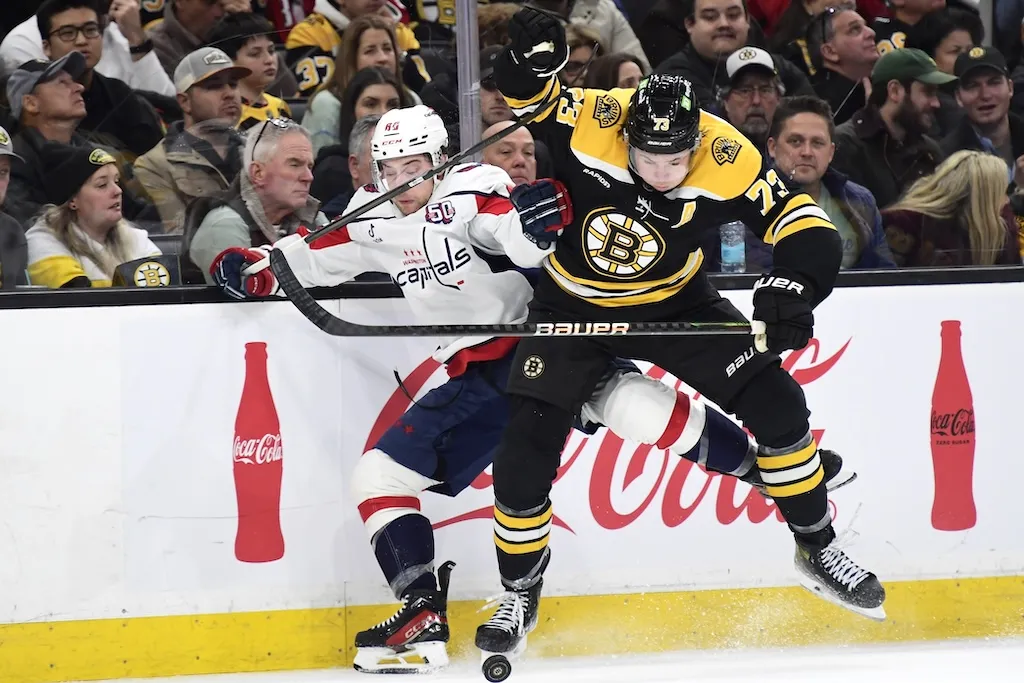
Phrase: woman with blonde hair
[81,237]
[958,216]
[369,41]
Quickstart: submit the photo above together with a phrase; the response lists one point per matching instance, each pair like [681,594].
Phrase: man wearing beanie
[884,147]
[82,236]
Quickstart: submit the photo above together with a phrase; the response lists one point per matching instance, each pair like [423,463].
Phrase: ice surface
[993,661]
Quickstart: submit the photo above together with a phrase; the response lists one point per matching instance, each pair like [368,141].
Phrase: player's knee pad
[772,406]
[526,462]
[385,490]
[642,409]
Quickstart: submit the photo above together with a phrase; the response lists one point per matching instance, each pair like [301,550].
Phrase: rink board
[118,499]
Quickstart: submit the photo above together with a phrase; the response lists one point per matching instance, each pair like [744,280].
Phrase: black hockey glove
[544,209]
[537,40]
[782,318]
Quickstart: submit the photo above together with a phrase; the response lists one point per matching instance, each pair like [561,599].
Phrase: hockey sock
[794,478]
[521,538]
[405,553]
[723,446]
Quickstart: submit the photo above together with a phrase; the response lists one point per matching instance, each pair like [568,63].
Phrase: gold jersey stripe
[803,224]
[645,297]
[626,286]
[522,523]
[520,548]
[779,462]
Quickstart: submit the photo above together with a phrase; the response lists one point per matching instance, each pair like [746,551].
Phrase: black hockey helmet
[664,116]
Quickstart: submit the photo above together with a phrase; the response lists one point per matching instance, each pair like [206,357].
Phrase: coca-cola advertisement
[952,429]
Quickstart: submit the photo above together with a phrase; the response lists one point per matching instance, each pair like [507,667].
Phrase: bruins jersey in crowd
[630,247]
[314,43]
[890,34]
[254,112]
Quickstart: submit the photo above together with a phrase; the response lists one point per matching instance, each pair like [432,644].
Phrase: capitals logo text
[421,275]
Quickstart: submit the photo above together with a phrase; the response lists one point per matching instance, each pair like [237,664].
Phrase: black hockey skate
[830,574]
[503,637]
[831,463]
[418,631]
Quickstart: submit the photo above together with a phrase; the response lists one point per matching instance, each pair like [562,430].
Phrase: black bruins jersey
[890,34]
[629,247]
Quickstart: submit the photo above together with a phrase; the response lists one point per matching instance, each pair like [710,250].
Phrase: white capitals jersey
[445,256]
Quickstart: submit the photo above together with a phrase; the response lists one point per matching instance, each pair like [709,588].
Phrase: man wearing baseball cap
[753,93]
[13,247]
[984,91]
[884,147]
[200,156]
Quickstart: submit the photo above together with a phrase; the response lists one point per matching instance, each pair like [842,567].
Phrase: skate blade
[834,483]
[874,613]
[418,658]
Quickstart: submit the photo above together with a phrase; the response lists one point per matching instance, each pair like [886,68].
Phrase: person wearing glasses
[200,156]
[842,49]
[114,111]
[753,93]
[121,50]
[269,200]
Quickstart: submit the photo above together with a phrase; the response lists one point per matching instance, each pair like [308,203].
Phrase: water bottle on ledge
[734,253]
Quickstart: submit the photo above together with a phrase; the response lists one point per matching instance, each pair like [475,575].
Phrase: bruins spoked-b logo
[152,274]
[725,150]
[533,367]
[620,246]
[607,111]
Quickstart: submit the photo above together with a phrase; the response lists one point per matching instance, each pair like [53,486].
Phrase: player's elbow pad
[815,254]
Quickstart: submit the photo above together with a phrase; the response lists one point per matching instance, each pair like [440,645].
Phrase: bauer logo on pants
[533,367]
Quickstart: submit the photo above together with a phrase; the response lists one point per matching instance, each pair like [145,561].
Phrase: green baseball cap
[908,64]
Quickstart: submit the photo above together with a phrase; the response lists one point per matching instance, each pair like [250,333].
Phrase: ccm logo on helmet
[780,282]
[602,329]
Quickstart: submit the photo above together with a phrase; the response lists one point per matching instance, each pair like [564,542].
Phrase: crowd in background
[190,126]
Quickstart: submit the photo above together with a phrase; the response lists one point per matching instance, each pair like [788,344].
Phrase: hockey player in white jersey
[460,246]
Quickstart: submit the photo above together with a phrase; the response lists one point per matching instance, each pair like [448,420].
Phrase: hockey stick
[337,327]
[342,221]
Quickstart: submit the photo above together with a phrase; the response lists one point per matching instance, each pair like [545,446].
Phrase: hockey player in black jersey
[649,173]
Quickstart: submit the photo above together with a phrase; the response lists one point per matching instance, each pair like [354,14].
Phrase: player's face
[803,149]
[952,46]
[985,95]
[663,172]
[259,57]
[98,203]
[395,172]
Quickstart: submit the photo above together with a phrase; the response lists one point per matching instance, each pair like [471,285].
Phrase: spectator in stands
[717,28]
[125,52]
[372,91]
[842,49]
[13,247]
[613,30]
[369,42]
[984,90]
[884,147]
[796,20]
[246,38]
[945,35]
[359,168]
[958,216]
[891,32]
[619,70]
[753,93]
[82,236]
[801,146]
[584,46]
[315,44]
[515,153]
[201,156]
[115,113]
[270,200]
[442,95]
[492,20]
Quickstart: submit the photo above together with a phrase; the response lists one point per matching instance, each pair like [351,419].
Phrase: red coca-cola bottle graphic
[953,437]
[258,464]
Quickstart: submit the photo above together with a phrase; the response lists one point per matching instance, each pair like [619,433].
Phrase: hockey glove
[537,40]
[544,208]
[782,318]
[227,268]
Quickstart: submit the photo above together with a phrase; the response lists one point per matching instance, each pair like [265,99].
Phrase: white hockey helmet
[407,132]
